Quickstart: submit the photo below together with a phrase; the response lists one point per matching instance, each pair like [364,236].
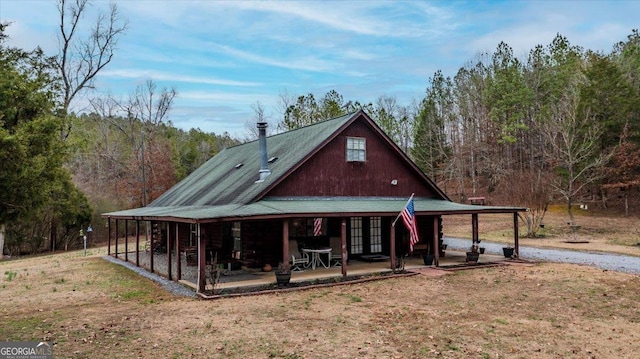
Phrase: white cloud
[161,76]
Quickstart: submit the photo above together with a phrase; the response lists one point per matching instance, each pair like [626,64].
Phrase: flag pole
[399,214]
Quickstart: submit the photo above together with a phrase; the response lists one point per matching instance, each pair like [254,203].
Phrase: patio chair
[297,258]
[335,259]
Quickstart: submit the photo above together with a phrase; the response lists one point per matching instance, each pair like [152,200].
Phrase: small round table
[315,256]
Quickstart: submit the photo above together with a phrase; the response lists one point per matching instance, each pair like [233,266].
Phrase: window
[356,235]
[375,234]
[237,240]
[356,149]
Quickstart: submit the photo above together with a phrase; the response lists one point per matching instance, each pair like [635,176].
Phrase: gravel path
[611,261]
[171,286]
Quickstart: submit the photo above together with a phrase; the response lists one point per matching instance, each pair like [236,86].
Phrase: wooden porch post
[202,260]
[178,259]
[436,250]
[116,249]
[343,246]
[149,223]
[169,276]
[474,228]
[392,247]
[137,243]
[515,235]
[126,240]
[285,242]
[108,236]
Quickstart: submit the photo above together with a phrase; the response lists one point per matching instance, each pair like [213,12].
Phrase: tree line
[563,124]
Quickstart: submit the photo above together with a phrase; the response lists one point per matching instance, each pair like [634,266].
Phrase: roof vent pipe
[262,143]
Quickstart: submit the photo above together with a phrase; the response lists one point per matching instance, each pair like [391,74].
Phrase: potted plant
[473,255]
[427,258]
[283,274]
[508,251]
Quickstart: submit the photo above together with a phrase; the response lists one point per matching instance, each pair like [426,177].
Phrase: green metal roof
[225,187]
[219,182]
[312,206]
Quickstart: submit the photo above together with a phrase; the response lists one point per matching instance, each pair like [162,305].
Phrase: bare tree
[573,150]
[80,59]
[258,116]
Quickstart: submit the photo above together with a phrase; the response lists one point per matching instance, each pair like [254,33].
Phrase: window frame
[354,147]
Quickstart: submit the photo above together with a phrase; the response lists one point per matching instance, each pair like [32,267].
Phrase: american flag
[409,219]
[317,226]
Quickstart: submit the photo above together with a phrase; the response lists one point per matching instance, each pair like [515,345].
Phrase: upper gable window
[356,149]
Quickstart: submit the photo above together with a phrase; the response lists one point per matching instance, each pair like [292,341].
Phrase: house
[343,179]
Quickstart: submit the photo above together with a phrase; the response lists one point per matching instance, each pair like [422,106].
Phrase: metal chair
[335,258]
[297,259]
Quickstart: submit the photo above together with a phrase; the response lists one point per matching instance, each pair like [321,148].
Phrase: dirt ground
[94,309]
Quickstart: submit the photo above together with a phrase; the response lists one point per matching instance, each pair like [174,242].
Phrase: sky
[225,57]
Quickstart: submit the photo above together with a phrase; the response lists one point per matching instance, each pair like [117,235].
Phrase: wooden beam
[150,224]
[285,242]
[116,249]
[392,247]
[169,274]
[516,238]
[108,236]
[178,259]
[202,259]
[343,246]
[474,228]
[436,232]
[138,243]
[126,240]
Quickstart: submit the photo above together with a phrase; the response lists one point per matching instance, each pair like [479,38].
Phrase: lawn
[91,308]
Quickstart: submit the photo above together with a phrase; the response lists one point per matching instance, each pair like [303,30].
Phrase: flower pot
[508,252]
[283,278]
[427,259]
[481,249]
[473,257]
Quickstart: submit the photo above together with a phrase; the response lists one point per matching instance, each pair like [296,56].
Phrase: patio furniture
[316,261]
[336,251]
[297,259]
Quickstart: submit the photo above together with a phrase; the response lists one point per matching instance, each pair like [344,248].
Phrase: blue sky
[225,56]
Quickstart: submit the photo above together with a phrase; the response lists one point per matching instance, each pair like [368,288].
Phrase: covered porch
[181,248]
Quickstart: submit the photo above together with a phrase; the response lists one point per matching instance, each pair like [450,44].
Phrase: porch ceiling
[306,207]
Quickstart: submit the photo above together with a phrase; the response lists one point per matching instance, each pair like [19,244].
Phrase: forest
[560,125]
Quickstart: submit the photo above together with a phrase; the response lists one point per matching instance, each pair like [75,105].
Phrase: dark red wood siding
[329,174]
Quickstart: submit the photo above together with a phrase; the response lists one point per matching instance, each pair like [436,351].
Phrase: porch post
[201,260]
[116,249]
[126,240]
[436,250]
[169,276]
[515,235]
[285,242]
[137,243]
[108,236]
[474,227]
[392,247]
[343,246]
[178,259]
[149,223]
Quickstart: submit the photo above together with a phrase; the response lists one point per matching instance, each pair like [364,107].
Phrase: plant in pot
[283,274]
[473,255]
[508,251]
[427,258]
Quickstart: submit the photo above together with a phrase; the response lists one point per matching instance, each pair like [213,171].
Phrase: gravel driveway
[611,261]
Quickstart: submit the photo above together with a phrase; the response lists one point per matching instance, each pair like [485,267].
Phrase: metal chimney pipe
[262,143]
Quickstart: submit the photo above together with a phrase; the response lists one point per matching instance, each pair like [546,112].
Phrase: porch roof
[305,207]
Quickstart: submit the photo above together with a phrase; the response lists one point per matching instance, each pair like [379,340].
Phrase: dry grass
[93,309]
